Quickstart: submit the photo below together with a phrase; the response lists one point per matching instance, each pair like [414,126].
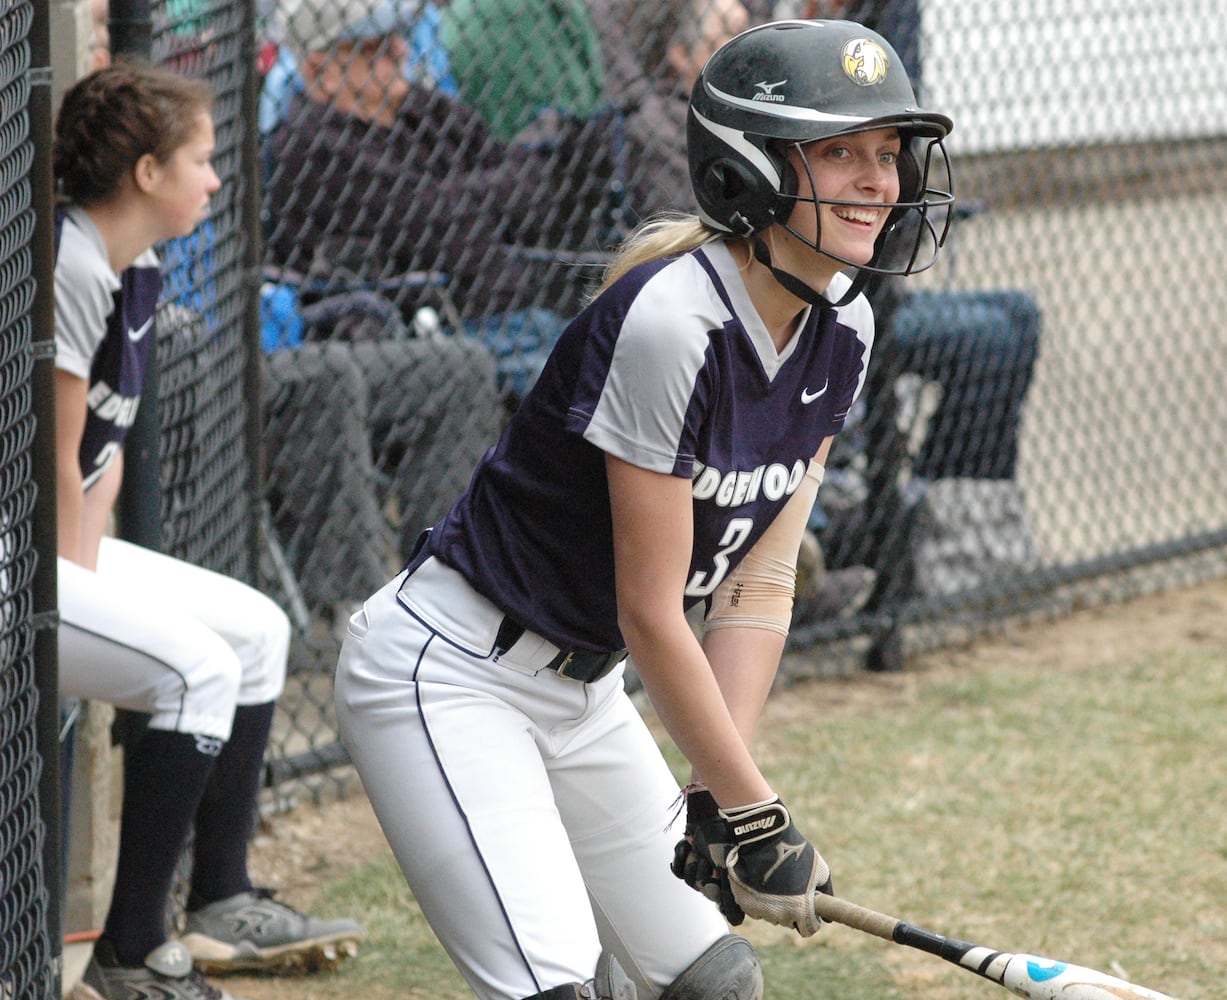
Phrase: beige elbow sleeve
[759,592]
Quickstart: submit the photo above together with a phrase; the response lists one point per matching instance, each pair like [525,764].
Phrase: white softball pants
[151,633]
[533,815]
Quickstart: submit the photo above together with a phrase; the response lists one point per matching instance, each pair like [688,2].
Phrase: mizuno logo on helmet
[766,91]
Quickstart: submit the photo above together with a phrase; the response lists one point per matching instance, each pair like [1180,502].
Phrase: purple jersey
[671,370]
[103,333]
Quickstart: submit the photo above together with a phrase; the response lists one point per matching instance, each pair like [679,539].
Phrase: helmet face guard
[784,84]
[917,225]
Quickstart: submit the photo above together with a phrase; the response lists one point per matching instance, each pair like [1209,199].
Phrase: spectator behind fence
[100,35]
[653,54]
[375,176]
[369,429]
[368,432]
[203,654]
[427,60]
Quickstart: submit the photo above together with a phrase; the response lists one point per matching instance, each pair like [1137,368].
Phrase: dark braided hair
[111,118]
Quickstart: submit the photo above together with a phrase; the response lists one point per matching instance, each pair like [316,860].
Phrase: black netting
[25,952]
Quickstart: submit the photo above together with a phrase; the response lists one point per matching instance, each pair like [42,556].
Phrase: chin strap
[798,287]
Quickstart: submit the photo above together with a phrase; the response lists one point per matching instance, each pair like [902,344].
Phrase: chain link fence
[208,468]
[443,182]
[424,193]
[25,948]
[1092,164]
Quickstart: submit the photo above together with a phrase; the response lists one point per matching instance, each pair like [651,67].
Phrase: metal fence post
[139,508]
[45,617]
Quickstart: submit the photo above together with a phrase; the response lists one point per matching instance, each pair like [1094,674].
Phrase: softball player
[203,654]
[668,457]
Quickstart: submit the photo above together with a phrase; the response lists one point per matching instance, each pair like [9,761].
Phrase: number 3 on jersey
[735,535]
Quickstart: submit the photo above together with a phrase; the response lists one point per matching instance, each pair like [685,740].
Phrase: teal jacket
[514,58]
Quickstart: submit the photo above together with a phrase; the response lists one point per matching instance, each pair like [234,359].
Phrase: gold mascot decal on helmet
[865,62]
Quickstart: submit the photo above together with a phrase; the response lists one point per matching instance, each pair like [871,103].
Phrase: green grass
[1072,813]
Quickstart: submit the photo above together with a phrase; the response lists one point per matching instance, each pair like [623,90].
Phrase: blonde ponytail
[661,236]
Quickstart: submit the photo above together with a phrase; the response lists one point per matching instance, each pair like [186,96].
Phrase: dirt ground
[298,848]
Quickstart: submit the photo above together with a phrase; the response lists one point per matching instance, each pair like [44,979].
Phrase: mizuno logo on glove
[766,823]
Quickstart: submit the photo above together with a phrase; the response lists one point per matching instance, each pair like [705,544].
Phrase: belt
[584,665]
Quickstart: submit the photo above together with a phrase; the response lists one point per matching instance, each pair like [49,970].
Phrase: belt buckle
[586,666]
[562,668]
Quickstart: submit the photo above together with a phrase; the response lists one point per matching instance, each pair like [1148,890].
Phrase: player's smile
[857,216]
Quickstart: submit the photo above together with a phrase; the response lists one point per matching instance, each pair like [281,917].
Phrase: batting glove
[699,857]
[773,869]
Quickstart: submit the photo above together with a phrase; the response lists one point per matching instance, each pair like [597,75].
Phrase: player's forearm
[758,592]
[95,516]
[744,662]
[653,534]
[70,413]
[82,515]
[69,503]
[683,689]
[747,623]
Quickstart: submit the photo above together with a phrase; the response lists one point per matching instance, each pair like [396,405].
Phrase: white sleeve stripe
[84,284]
[659,353]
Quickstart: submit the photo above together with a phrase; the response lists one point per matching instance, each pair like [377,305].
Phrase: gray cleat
[167,974]
[252,932]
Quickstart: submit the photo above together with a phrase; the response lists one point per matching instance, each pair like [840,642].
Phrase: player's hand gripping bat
[1027,976]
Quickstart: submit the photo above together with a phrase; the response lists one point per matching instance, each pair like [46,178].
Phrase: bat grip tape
[861,918]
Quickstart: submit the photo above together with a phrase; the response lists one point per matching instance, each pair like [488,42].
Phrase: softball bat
[1029,976]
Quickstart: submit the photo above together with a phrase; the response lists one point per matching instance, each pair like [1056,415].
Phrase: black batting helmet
[791,82]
